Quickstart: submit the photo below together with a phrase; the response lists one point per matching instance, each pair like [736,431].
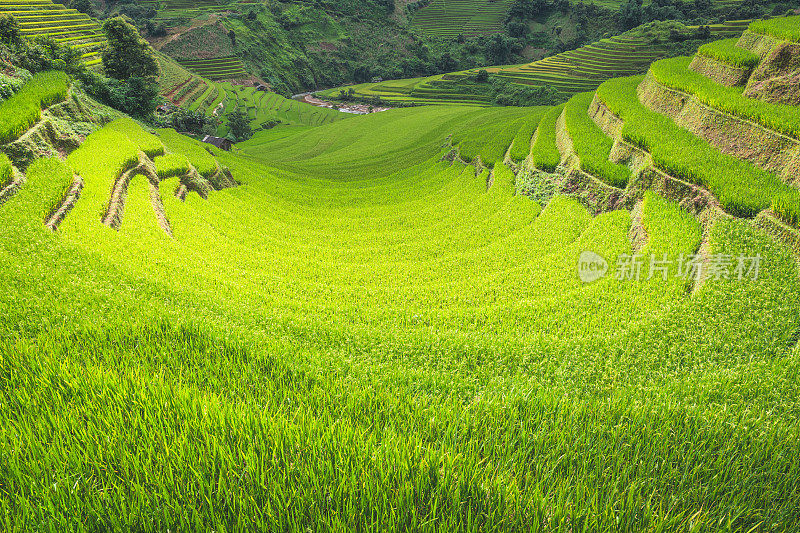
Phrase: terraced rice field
[186,9]
[570,72]
[68,26]
[449,18]
[370,332]
[263,107]
[217,68]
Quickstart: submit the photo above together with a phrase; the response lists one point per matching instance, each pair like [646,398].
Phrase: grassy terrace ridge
[742,188]
[449,18]
[364,335]
[570,72]
[24,109]
[590,143]
[43,17]
[726,51]
[544,153]
[216,68]
[5,170]
[675,73]
[787,28]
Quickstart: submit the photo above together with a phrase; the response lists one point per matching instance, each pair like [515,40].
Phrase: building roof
[219,142]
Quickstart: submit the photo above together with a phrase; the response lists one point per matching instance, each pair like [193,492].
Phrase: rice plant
[171,165]
[742,188]
[787,207]
[787,28]
[6,171]
[24,109]
[591,144]
[362,336]
[675,73]
[545,152]
[522,140]
[198,156]
[726,51]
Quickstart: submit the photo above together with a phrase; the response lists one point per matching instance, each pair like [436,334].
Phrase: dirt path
[356,109]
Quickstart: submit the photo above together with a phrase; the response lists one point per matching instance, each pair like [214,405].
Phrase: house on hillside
[261,87]
[377,79]
[219,142]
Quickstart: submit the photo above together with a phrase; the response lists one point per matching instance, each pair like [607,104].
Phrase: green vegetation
[267,109]
[40,18]
[216,69]
[146,142]
[171,165]
[742,188]
[675,73]
[522,140]
[126,54]
[450,18]
[565,74]
[726,51]
[490,134]
[24,109]
[545,153]
[364,334]
[194,151]
[787,28]
[361,331]
[787,207]
[590,143]
[5,170]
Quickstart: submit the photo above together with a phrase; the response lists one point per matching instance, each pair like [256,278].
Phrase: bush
[514,94]
[134,96]
[43,53]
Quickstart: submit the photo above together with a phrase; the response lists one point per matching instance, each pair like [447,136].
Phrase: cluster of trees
[129,83]
[698,12]
[130,67]
[140,16]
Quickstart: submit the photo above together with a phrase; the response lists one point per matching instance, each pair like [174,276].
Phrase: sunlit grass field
[363,336]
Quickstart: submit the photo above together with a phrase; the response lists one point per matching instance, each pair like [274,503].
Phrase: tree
[240,125]
[482,76]
[127,54]
[9,30]
[630,14]
[84,6]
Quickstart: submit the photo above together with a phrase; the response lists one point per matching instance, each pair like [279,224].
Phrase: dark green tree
[84,6]
[630,14]
[240,125]
[9,30]
[127,54]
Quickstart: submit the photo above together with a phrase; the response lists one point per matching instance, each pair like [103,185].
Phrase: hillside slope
[575,318]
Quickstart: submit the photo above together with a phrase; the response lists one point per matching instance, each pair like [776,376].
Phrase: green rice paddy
[372,332]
